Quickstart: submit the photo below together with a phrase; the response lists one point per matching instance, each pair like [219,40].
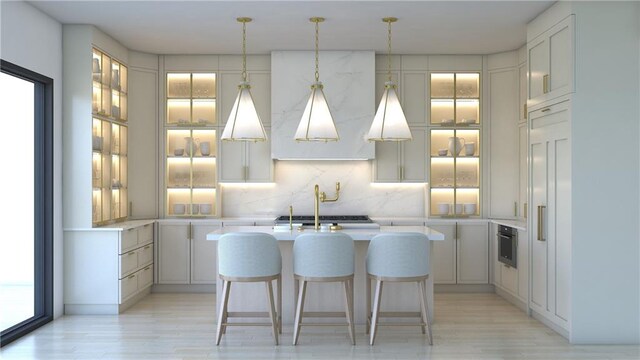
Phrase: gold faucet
[319,197]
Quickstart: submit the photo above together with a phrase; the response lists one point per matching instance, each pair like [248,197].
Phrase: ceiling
[209,27]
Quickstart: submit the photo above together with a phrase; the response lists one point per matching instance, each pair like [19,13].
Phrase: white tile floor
[181,326]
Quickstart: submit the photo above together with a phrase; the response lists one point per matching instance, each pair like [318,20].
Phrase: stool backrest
[398,255]
[248,254]
[323,255]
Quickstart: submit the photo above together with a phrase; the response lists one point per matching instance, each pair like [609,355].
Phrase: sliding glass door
[26,214]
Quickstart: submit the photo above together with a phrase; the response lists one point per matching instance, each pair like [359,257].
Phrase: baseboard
[105,309]
[463,288]
[182,288]
[512,299]
[550,324]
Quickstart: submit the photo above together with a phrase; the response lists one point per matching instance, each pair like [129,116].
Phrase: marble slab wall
[294,186]
[349,86]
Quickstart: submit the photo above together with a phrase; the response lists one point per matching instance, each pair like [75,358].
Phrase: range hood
[349,85]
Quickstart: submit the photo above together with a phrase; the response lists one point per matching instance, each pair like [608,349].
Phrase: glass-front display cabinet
[109,139]
[455,138]
[191,145]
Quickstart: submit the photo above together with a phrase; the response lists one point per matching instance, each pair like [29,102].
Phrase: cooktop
[309,219]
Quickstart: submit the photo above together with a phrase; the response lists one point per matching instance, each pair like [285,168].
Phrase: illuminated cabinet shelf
[191,145]
[455,139]
[109,140]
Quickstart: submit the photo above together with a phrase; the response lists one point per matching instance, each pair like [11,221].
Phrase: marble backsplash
[294,186]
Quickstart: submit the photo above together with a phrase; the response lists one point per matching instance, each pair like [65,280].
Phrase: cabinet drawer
[128,286]
[145,254]
[509,279]
[128,240]
[145,234]
[128,262]
[145,277]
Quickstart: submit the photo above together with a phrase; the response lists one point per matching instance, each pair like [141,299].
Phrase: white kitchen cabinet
[242,161]
[523,169]
[184,254]
[522,96]
[414,90]
[550,63]
[550,202]
[402,161]
[472,254]
[443,257]
[108,269]
[503,144]
[463,257]
[523,265]
[203,255]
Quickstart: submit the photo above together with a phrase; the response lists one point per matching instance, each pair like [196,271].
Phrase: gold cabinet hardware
[131,276]
[545,110]
[545,84]
[290,217]
[524,111]
[515,208]
[526,211]
[540,224]
[189,236]
[131,253]
[147,268]
[147,247]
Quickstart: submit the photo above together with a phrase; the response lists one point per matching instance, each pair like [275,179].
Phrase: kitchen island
[325,296]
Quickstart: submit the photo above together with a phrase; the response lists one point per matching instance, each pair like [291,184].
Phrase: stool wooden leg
[376,310]
[280,303]
[223,310]
[422,314]
[272,311]
[299,310]
[425,308]
[347,304]
[226,309]
[368,297]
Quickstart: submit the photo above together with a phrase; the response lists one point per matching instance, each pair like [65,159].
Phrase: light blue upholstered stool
[323,257]
[397,257]
[250,257]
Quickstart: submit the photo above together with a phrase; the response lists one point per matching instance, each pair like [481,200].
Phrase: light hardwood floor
[181,326]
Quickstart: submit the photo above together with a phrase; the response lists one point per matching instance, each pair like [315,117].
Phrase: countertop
[125,225]
[518,224]
[356,234]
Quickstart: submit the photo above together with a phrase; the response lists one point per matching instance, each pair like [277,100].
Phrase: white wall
[33,40]
[605,177]
[294,186]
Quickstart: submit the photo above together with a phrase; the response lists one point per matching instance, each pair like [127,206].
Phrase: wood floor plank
[182,326]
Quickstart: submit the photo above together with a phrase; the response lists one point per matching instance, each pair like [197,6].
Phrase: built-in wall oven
[508,245]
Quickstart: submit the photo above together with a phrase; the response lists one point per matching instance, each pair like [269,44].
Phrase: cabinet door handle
[515,208]
[526,211]
[189,236]
[147,268]
[545,110]
[524,111]
[131,253]
[545,84]
[147,247]
[540,222]
[131,276]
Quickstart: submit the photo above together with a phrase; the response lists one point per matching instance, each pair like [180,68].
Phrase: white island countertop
[356,234]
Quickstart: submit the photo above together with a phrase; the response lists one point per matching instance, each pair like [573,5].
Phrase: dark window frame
[43,202]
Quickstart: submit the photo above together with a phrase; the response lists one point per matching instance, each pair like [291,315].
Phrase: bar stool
[323,257]
[397,257]
[249,257]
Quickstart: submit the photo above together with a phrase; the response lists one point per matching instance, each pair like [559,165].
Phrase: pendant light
[317,123]
[244,122]
[389,123]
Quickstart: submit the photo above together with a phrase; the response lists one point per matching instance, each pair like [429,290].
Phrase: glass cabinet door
[455,144]
[191,172]
[191,99]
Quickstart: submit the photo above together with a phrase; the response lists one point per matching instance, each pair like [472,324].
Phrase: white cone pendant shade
[244,123]
[317,123]
[389,124]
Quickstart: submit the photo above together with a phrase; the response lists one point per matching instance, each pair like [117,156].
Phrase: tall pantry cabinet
[550,67]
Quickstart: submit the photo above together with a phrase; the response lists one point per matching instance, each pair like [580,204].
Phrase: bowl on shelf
[179,209]
[447,121]
[178,151]
[468,121]
[470,208]
[205,209]
[442,152]
[443,209]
